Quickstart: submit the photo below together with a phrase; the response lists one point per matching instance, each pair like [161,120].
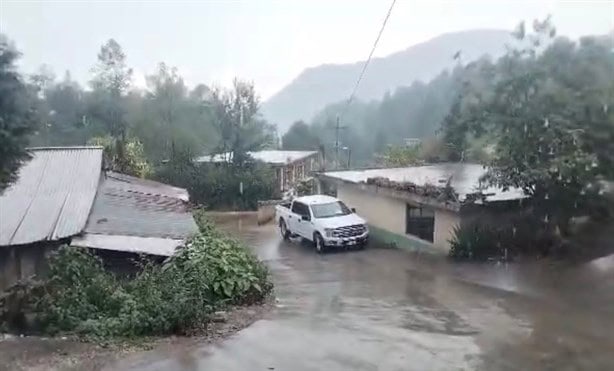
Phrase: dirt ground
[35,353]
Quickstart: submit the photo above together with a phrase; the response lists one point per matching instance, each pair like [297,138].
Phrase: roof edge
[427,164]
[121,177]
[62,148]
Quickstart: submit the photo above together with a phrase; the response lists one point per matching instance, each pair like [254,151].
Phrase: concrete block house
[419,207]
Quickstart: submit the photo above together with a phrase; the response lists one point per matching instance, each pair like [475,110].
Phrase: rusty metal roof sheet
[52,196]
[129,206]
[130,183]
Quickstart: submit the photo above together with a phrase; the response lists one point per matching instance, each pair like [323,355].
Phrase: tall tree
[66,104]
[414,111]
[42,79]
[167,93]
[173,121]
[548,108]
[17,118]
[241,127]
[110,84]
[300,137]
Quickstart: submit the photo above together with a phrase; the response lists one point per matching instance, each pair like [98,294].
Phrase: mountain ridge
[315,87]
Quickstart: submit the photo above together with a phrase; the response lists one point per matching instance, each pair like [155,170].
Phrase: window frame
[306,211]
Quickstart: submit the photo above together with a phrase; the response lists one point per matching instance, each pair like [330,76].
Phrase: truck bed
[285,204]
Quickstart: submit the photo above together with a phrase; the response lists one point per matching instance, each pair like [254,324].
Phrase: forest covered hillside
[317,87]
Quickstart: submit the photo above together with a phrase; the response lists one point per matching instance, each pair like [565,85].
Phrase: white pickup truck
[323,220]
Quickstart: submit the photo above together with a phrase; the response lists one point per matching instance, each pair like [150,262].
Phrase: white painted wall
[445,221]
[389,213]
[378,210]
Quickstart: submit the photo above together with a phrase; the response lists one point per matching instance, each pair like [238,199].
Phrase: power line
[362,73]
[364,67]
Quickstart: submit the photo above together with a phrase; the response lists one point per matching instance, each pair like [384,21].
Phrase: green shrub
[78,288]
[218,186]
[209,272]
[475,243]
[521,235]
[129,158]
[204,224]
[305,187]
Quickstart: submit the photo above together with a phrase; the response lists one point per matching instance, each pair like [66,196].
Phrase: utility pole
[349,156]
[337,128]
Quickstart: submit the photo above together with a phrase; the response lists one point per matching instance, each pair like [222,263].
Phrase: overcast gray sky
[267,41]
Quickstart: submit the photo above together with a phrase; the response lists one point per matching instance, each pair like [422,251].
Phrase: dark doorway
[420,222]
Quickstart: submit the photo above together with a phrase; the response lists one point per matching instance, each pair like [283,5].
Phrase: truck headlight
[328,232]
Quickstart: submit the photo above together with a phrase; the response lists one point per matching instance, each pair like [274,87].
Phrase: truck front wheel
[319,243]
[283,229]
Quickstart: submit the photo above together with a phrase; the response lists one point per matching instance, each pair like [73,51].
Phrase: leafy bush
[129,158]
[209,272]
[78,288]
[218,186]
[474,243]
[180,170]
[522,235]
[305,187]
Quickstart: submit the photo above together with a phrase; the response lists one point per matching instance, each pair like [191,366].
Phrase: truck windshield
[330,210]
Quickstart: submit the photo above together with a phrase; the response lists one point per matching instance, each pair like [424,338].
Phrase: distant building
[420,206]
[290,166]
[413,142]
[62,196]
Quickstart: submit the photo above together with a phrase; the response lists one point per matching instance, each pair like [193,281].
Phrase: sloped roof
[52,196]
[132,244]
[273,157]
[465,178]
[133,184]
[129,206]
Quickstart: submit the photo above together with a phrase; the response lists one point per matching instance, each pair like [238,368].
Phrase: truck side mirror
[306,218]
[354,210]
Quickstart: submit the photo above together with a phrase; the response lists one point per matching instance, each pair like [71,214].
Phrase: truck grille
[349,231]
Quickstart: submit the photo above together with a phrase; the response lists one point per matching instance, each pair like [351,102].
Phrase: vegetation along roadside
[212,272]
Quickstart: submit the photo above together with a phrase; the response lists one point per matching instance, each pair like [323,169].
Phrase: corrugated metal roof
[139,207]
[52,196]
[465,178]
[133,244]
[273,157]
[130,183]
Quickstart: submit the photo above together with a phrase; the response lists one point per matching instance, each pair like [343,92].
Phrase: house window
[420,222]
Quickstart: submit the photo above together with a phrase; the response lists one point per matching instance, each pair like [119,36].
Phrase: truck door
[297,223]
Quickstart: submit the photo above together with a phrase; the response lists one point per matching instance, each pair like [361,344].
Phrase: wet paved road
[386,309]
